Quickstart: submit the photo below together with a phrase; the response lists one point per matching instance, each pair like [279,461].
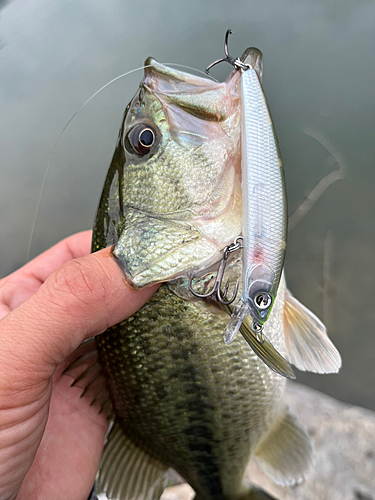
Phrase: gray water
[319,80]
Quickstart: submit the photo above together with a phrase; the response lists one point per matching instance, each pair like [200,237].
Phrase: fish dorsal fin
[126,472]
[87,374]
[286,452]
[308,346]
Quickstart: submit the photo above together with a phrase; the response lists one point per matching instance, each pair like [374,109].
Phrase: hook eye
[257,328]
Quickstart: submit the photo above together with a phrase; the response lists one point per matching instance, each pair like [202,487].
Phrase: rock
[344,459]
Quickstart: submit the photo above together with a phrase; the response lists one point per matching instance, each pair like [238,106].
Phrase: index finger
[73,247]
[20,285]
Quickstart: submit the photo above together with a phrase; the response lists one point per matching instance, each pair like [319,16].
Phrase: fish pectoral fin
[84,368]
[127,472]
[266,352]
[286,452]
[308,346]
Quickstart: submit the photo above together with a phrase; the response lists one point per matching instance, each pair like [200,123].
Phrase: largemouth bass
[182,399]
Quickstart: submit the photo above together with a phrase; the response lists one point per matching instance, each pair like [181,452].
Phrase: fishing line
[70,121]
[323,184]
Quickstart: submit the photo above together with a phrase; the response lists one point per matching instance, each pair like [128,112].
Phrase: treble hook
[216,290]
[237,63]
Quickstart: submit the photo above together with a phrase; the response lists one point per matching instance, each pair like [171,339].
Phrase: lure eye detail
[141,138]
[263,300]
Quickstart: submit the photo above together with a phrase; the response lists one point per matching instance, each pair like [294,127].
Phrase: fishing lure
[264,205]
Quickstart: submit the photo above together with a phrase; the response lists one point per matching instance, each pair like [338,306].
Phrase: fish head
[172,198]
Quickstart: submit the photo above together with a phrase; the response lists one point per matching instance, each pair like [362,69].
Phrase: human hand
[50,439]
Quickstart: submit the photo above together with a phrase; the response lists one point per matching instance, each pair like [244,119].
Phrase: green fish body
[182,399]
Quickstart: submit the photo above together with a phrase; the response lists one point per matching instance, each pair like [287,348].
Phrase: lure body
[264,208]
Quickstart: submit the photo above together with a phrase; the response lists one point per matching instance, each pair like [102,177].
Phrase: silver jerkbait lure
[264,204]
[264,209]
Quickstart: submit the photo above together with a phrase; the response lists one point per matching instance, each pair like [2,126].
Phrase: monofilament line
[69,122]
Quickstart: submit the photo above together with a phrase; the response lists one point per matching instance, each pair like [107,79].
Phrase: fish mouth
[156,246]
[152,249]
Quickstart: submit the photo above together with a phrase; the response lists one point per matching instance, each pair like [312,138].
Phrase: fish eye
[141,138]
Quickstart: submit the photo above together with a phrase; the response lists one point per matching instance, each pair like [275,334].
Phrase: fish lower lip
[153,250]
[123,268]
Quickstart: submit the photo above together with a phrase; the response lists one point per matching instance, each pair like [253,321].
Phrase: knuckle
[78,281]
[73,277]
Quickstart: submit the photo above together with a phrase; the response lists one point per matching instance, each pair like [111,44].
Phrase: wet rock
[344,460]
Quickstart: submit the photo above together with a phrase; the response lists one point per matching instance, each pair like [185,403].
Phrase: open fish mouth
[178,180]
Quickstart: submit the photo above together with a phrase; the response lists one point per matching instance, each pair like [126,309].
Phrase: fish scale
[207,410]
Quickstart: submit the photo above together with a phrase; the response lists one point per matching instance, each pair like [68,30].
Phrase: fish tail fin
[126,471]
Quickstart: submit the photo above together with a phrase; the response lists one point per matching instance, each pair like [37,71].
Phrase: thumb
[82,298]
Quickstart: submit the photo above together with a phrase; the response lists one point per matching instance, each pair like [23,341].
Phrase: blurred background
[319,74]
